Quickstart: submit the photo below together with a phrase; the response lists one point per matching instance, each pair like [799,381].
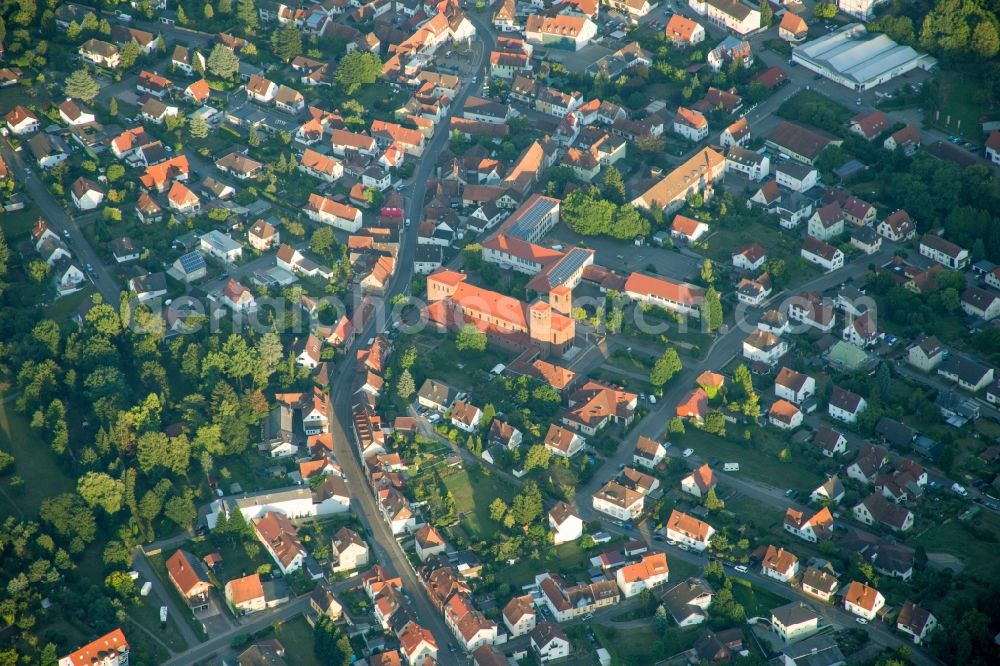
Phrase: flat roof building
[858,60]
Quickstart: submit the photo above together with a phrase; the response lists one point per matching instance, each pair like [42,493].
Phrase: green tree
[208,12]
[527,506]
[711,310]
[357,69]
[985,40]
[73,31]
[331,646]
[614,185]
[766,14]
[676,426]
[715,423]
[406,386]
[90,22]
[198,128]
[665,368]
[323,242]
[222,62]
[100,489]
[246,14]
[225,6]
[712,501]
[129,54]
[181,15]
[537,457]
[286,42]
[181,510]
[470,338]
[81,85]
[707,274]
[254,137]
[498,509]
[825,10]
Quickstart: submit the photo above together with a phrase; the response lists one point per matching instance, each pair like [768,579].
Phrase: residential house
[795,620]
[862,331]
[966,372]
[682,31]
[321,166]
[830,491]
[793,386]
[289,100]
[870,125]
[342,216]
[679,297]
[764,347]
[648,453]
[796,176]
[563,442]
[263,235]
[730,14]
[466,416]
[784,415]
[646,574]
[237,297]
[977,302]
[737,134]
[812,529]
[827,222]
[197,92]
[687,229]
[48,150]
[281,540]
[86,194]
[819,582]
[565,523]
[877,509]
[690,124]
[693,406]
[189,577]
[428,542]
[688,530]
[519,615]
[566,602]
[698,175]
[699,482]
[260,89]
[549,642]
[897,227]
[915,621]
[755,166]
[779,564]
[822,254]
[862,600]
[750,258]
[111,649]
[436,395]
[866,239]
[866,466]
[100,53]
[617,501]
[21,121]
[907,139]
[688,602]
[348,551]
[560,31]
[944,252]
[846,406]
[75,115]
[246,595]
[187,60]
[792,27]
[219,245]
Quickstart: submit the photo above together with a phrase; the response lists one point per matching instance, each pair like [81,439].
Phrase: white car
[687,453]
[434,418]
[741,568]
[861,620]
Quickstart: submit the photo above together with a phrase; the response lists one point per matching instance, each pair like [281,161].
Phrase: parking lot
[625,259]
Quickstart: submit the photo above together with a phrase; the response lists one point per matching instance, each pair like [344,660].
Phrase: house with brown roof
[877,509]
[819,583]
[595,404]
[563,442]
[915,621]
[189,577]
[800,142]
[697,175]
[263,235]
[750,257]
[428,541]
[897,227]
[565,523]
[784,415]
[907,139]
[690,124]
[869,125]
[682,31]
[21,121]
[845,405]
[764,347]
[792,27]
[944,252]
[100,53]
[688,530]
[348,550]
[246,595]
[260,89]
[281,540]
[862,600]
[813,529]
[618,501]
[821,253]
[688,229]
[466,416]
[779,564]
[694,406]
[699,482]
[648,453]
[519,615]
[648,573]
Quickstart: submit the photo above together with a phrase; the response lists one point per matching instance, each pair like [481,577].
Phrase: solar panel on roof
[568,266]
[192,261]
[531,219]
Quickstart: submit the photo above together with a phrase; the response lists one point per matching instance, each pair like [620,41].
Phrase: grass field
[297,637]
[159,564]
[640,646]
[956,93]
[569,559]
[754,463]
[978,555]
[147,613]
[756,601]
[17,225]
[34,462]
[473,493]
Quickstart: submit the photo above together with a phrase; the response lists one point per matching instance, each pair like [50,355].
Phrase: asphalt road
[61,221]
[387,550]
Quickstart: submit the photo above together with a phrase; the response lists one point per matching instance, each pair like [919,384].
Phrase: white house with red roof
[688,530]
[648,573]
[679,297]
[690,124]
[21,121]
[863,600]
[699,482]
[688,229]
[237,297]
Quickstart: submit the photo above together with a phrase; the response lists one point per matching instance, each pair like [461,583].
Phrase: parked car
[861,620]
[741,568]
[687,453]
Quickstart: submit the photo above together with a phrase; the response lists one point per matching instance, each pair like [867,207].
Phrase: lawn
[754,463]
[763,517]
[297,637]
[63,309]
[569,559]
[756,601]
[235,561]
[779,245]
[951,536]
[19,95]
[147,613]
[17,225]
[640,646]
[473,497]
[957,91]
[33,461]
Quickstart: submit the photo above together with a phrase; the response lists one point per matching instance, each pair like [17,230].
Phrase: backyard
[473,498]
[977,551]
